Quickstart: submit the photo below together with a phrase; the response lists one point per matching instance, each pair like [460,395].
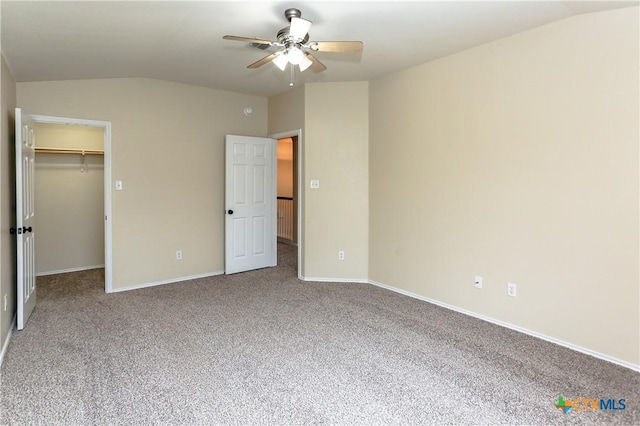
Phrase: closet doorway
[72,198]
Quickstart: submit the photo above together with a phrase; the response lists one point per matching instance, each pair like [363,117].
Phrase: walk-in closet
[69,198]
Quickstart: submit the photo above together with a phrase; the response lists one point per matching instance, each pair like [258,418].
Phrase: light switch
[118,185]
[315,184]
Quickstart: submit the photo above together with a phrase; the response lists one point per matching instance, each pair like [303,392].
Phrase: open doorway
[289,202]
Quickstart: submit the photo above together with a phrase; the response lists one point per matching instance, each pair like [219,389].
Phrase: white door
[250,203]
[25,214]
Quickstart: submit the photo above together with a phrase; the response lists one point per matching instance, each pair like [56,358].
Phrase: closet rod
[69,151]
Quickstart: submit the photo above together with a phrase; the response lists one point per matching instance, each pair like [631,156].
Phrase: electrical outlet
[179,255]
[340,255]
[511,289]
[478,282]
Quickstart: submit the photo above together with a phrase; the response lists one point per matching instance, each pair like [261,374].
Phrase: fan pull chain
[292,71]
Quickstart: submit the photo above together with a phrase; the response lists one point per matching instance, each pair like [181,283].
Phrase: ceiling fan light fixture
[305,63]
[295,56]
[299,28]
[281,61]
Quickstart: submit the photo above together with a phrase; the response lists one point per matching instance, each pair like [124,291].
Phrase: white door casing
[25,215]
[250,203]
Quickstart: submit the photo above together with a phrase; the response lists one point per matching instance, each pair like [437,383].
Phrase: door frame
[300,192]
[108,217]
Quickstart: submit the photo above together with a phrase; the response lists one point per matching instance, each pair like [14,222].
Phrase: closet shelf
[42,150]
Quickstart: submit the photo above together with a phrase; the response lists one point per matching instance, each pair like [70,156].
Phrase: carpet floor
[263,347]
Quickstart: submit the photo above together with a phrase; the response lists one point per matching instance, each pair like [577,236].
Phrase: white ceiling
[182,40]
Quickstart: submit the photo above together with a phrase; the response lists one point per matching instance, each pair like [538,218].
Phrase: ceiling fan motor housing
[285,38]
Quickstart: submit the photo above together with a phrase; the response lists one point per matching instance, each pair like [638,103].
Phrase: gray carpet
[264,348]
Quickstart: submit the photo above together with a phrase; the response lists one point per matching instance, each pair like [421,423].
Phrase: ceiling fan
[294,45]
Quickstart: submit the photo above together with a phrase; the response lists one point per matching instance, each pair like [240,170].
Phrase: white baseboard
[335,280]
[634,367]
[64,271]
[5,344]
[171,281]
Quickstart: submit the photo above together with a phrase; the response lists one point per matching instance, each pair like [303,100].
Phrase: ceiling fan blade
[247,39]
[299,28]
[336,46]
[316,65]
[265,60]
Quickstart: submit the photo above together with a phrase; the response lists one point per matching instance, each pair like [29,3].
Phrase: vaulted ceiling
[182,41]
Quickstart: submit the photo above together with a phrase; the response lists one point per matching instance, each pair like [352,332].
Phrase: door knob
[230,211]
[25,229]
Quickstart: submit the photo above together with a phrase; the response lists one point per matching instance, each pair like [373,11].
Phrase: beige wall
[168,149]
[69,199]
[286,111]
[69,136]
[336,153]
[7,200]
[517,161]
